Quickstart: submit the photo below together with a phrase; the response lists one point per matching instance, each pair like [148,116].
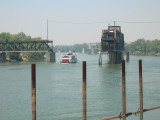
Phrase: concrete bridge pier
[114,57]
[100,58]
[2,57]
[127,56]
[50,57]
[122,55]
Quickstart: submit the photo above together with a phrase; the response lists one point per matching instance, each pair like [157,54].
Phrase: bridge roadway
[26,46]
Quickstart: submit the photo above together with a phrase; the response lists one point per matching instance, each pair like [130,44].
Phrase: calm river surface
[59,89]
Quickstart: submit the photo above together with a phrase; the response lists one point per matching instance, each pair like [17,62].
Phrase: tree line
[144,47]
[66,48]
[73,48]
[140,46]
[6,37]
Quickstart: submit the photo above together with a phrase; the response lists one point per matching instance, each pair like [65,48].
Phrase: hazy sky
[79,21]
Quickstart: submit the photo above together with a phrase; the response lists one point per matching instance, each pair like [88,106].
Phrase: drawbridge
[27,46]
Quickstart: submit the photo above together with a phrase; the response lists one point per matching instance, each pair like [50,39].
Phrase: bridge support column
[3,57]
[50,57]
[122,53]
[127,56]
[114,58]
[100,58]
[110,58]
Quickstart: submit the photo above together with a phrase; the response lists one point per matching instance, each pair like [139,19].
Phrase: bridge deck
[33,41]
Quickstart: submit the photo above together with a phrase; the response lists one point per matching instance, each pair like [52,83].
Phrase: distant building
[93,48]
[83,51]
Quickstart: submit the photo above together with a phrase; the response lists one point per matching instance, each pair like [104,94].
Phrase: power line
[138,21]
[69,22]
[101,22]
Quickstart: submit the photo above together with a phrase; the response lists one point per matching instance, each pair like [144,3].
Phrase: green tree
[144,46]
[15,56]
[5,36]
[36,56]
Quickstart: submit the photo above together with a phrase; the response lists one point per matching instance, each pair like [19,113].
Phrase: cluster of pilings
[123,115]
[84,91]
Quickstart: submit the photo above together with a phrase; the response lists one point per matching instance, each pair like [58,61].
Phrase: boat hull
[68,60]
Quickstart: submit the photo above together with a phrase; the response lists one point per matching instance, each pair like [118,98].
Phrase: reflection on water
[141,116]
[124,118]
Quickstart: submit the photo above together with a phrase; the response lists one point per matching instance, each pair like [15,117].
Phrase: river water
[59,89]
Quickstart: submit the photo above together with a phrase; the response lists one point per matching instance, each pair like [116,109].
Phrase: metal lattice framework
[112,39]
[112,43]
[26,46]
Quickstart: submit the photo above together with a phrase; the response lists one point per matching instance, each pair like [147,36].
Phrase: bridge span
[27,46]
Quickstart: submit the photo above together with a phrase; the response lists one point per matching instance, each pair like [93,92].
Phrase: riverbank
[144,53]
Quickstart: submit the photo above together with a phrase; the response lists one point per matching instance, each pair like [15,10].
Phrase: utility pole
[47,29]
[114,23]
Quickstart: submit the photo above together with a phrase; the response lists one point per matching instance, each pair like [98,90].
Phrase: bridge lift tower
[112,43]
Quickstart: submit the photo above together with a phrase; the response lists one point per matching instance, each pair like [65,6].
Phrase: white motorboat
[68,57]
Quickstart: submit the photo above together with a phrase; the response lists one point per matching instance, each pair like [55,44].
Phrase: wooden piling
[33,73]
[123,88]
[100,58]
[140,87]
[141,116]
[124,118]
[127,56]
[84,107]
[124,114]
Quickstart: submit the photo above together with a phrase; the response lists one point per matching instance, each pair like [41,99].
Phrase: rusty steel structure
[84,92]
[112,43]
[26,46]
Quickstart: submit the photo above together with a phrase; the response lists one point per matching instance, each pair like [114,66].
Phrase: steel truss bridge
[26,46]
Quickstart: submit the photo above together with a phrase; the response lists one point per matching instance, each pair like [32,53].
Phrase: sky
[80,21]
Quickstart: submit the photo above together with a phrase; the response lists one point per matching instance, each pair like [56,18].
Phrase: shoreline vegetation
[18,57]
[143,54]
[144,47]
[138,47]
